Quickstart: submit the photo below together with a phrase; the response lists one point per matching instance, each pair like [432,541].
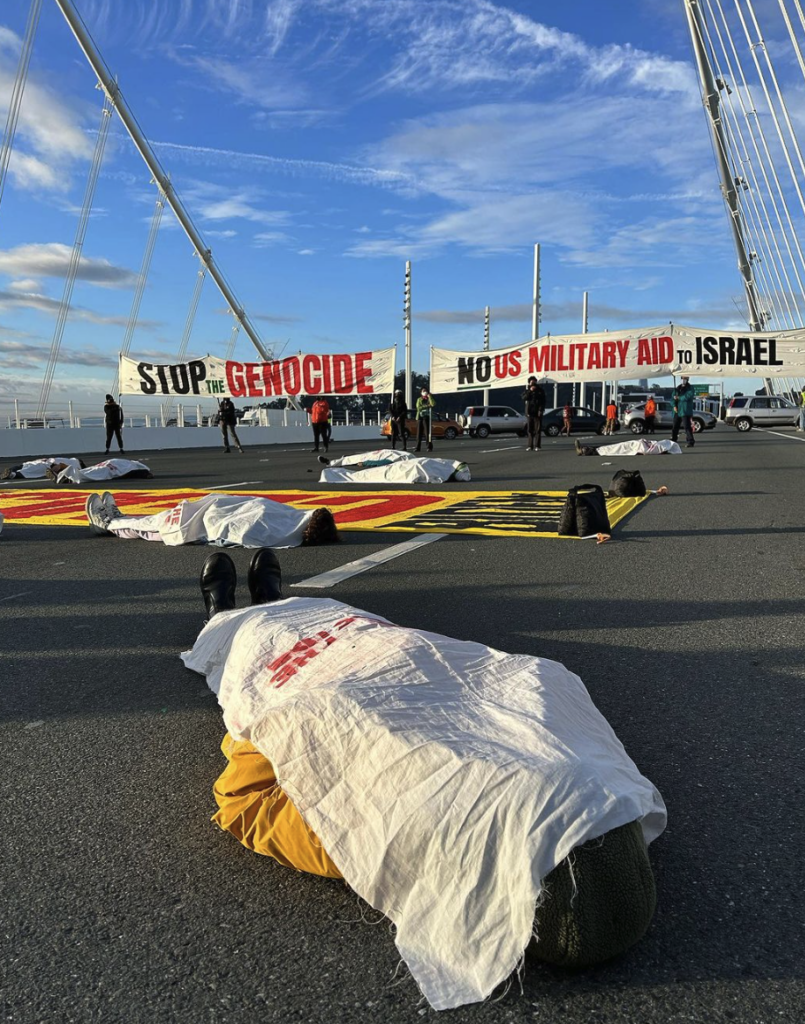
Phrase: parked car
[743,413]
[483,420]
[635,418]
[582,420]
[443,426]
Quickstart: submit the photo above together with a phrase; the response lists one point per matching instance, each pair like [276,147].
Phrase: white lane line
[766,430]
[344,572]
[12,596]
[240,483]
[486,451]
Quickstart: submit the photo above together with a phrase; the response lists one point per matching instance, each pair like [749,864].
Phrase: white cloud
[50,137]
[11,300]
[52,259]
[306,252]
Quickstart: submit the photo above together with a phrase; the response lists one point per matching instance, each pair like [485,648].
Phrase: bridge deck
[123,903]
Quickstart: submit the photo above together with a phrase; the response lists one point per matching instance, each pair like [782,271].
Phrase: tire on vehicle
[637,426]
[552,430]
[483,431]
[521,433]
[743,423]
[697,424]
[451,434]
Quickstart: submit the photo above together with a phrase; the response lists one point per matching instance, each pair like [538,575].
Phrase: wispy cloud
[52,259]
[50,136]
[269,318]
[602,314]
[15,300]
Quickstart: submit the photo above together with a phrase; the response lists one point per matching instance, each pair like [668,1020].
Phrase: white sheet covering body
[228,520]
[110,469]
[38,468]
[402,468]
[641,446]
[444,778]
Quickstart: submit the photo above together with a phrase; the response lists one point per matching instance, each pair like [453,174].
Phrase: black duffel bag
[627,483]
[585,512]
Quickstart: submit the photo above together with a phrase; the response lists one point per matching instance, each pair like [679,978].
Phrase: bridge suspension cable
[125,114]
[142,277]
[16,93]
[188,329]
[766,209]
[75,257]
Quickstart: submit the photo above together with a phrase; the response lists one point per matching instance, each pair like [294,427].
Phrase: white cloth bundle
[223,519]
[111,469]
[444,778]
[402,468]
[641,446]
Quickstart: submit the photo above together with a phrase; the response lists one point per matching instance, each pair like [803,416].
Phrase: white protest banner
[356,373]
[625,355]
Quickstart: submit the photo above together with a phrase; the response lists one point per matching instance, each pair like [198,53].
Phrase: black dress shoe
[265,577]
[218,581]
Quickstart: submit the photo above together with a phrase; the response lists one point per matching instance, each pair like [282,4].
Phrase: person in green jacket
[683,411]
[424,406]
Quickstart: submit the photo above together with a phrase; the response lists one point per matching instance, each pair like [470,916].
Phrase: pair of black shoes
[219,579]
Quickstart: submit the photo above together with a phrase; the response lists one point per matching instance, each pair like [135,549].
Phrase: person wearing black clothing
[534,400]
[399,418]
[229,418]
[113,418]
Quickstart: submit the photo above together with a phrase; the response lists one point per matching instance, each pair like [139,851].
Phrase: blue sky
[319,144]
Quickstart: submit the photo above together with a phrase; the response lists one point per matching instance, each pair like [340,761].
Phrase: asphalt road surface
[121,902]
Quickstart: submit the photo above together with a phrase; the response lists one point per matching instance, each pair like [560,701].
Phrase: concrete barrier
[81,440]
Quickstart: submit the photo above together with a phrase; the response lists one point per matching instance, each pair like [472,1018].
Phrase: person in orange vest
[319,420]
[649,414]
[612,417]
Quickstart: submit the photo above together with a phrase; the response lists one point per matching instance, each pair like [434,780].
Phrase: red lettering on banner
[501,366]
[234,378]
[666,349]
[312,385]
[515,363]
[644,353]
[538,359]
[328,376]
[253,389]
[623,350]
[272,378]
[342,375]
[608,354]
[594,357]
[291,375]
[362,373]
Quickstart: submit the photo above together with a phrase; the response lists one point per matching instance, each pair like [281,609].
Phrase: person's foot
[122,451]
[324,460]
[529,448]
[690,445]
[265,577]
[218,581]
[98,516]
[106,452]
[326,448]
[8,474]
[314,449]
[577,444]
[241,451]
[227,451]
[110,504]
[417,449]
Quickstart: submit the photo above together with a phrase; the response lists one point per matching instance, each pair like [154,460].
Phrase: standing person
[683,411]
[113,418]
[649,416]
[424,410]
[399,417]
[228,419]
[567,420]
[534,402]
[320,421]
[612,417]
[802,410]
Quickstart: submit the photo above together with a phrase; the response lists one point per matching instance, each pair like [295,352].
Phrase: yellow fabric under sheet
[258,813]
